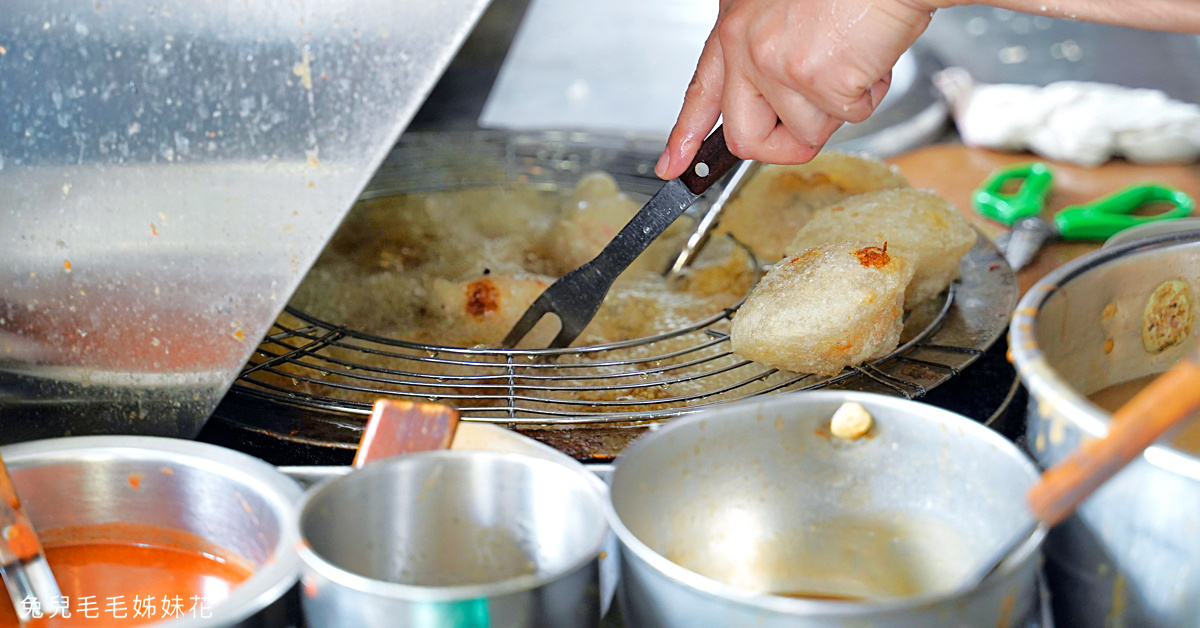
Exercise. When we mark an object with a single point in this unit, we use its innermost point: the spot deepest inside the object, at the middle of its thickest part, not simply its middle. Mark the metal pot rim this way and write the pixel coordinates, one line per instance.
(811, 607)
(371, 586)
(270, 581)
(1043, 381)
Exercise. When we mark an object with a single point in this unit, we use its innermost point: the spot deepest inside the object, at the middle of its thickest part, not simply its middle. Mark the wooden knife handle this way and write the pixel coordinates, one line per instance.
(1166, 402)
(712, 161)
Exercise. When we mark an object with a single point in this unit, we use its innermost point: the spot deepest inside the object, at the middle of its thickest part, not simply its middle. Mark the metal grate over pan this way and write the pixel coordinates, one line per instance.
(321, 365)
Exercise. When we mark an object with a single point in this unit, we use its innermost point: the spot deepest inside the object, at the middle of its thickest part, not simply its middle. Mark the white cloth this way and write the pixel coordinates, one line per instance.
(1077, 122)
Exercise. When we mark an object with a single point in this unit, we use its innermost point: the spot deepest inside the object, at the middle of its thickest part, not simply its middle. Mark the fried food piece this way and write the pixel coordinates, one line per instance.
(589, 220)
(833, 306)
(779, 200)
(1168, 316)
(481, 311)
(594, 214)
(918, 225)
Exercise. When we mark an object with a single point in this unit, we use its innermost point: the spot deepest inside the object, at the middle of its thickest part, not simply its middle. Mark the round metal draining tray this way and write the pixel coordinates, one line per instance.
(587, 401)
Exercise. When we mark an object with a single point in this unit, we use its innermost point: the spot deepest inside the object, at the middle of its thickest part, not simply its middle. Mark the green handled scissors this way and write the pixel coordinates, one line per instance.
(1097, 220)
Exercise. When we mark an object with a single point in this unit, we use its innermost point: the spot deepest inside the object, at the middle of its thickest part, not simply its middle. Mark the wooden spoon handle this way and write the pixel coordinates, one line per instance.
(402, 427)
(1166, 402)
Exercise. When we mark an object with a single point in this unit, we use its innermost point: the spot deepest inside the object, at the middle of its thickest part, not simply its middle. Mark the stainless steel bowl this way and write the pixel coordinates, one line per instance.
(454, 538)
(229, 499)
(716, 508)
(1129, 556)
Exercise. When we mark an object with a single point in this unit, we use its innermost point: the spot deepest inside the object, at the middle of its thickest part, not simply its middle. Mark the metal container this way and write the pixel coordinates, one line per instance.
(169, 170)
(1129, 556)
(758, 496)
(315, 382)
(236, 502)
(454, 538)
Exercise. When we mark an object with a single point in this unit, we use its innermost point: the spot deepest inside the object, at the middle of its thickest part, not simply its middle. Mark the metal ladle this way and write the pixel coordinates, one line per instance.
(31, 585)
(1169, 400)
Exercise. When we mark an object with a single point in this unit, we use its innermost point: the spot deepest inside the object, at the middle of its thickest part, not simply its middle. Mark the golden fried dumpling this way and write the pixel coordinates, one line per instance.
(594, 214)
(779, 200)
(919, 225)
(482, 311)
(833, 306)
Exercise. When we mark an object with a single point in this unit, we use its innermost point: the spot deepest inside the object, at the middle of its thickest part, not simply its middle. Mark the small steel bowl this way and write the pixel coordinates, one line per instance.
(461, 538)
(717, 508)
(231, 500)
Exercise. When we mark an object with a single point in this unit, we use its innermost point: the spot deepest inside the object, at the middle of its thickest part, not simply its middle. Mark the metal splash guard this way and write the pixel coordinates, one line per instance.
(169, 170)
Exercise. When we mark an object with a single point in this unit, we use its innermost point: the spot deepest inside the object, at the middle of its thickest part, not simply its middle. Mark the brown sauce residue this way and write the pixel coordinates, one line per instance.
(813, 595)
(873, 256)
(483, 297)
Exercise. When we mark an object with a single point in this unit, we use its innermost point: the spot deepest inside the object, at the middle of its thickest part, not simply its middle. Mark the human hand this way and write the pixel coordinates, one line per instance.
(785, 74)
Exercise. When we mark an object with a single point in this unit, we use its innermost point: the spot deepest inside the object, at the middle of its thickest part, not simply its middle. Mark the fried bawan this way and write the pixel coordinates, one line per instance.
(918, 225)
(1168, 317)
(478, 307)
(779, 200)
(833, 306)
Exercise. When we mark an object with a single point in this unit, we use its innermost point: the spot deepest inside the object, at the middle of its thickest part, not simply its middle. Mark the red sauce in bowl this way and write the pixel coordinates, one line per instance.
(129, 581)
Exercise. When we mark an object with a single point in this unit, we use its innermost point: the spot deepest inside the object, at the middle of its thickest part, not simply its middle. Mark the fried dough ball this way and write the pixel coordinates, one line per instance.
(779, 200)
(919, 225)
(595, 213)
(589, 220)
(482, 311)
(833, 306)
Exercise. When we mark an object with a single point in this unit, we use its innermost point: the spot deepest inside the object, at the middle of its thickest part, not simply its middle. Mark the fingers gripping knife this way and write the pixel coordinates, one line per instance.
(576, 296)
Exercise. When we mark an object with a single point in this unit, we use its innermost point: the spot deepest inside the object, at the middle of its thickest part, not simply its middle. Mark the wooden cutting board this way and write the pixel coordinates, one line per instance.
(955, 170)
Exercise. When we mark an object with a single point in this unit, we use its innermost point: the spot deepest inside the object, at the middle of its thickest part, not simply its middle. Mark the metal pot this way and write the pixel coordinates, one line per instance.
(229, 499)
(758, 496)
(1129, 555)
(470, 539)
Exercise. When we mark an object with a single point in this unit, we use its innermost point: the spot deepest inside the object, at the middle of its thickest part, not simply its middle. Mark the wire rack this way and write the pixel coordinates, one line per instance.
(322, 365)
(536, 386)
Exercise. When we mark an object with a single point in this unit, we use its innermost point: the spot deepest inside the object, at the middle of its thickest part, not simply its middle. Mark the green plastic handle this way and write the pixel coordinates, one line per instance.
(1104, 217)
(1029, 200)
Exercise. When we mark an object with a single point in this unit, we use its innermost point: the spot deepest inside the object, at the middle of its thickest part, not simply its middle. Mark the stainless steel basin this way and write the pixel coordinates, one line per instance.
(1129, 556)
(717, 509)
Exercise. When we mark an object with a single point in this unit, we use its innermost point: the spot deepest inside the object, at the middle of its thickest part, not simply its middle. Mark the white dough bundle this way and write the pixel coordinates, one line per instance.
(918, 225)
(830, 307)
(1072, 121)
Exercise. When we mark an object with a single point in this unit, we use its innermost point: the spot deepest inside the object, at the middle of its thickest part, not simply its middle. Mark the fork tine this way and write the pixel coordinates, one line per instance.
(536, 311)
(569, 332)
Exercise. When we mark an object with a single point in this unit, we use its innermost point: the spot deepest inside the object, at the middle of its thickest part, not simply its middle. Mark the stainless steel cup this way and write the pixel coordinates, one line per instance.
(469, 539)
(716, 509)
(227, 498)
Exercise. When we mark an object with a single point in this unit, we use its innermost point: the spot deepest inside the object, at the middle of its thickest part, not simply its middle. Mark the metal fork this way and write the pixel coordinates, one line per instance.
(576, 296)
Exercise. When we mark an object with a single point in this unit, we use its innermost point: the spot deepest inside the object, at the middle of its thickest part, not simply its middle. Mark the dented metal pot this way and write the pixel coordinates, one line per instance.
(1129, 555)
(716, 509)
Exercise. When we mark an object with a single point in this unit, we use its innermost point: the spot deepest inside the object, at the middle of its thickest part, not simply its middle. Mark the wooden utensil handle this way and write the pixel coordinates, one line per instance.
(711, 162)
(402, 427)
(1166, 402)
